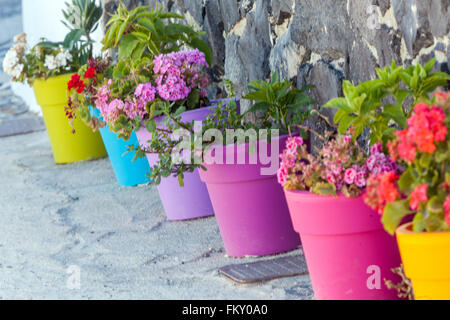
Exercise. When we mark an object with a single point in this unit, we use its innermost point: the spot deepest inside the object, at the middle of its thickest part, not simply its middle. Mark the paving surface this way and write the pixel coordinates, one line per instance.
(58, 222)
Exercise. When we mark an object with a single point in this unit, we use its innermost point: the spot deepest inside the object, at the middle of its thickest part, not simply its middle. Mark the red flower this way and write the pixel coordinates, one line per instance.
(426, 126)
(80, 87)
(381, 190)
(447, 209)
(90, 73)
(418, 196)
(73, 83)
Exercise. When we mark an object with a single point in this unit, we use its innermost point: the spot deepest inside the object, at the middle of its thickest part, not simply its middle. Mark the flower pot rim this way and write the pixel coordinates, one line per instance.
(310, 195)
(247, 143)
(54, 78)
(406, 229)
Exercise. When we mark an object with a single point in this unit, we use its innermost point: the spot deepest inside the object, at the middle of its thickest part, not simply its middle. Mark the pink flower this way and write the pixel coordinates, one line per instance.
(282, 174)
(360, 180)
(418, 196)
(447, 209)
(350, 175)
(376, 148)
(178, 73)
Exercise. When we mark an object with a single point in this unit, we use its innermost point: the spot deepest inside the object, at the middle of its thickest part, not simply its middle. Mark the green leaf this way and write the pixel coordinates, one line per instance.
(259, 106)
(345, 123)
(407, 181)
(396, 112)
(180, 181)
(127, 46)
(339, 103)
(325, 189)
(394, 214)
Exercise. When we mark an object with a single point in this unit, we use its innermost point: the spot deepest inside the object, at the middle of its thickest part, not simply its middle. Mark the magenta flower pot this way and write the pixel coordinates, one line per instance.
(182, 203)
(250, 208)
(347, 251)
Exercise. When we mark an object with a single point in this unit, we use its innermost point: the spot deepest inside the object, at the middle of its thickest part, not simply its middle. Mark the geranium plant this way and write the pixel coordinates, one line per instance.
(145, 89)
(341, 166)
(423, 188)
(48, 59)
(283, 107)
(83, 87)
(379, 104)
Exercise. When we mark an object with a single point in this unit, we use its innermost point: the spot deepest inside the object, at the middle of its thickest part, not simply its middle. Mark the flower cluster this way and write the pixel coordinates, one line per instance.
(42, 61)
(340, 166)
(381, 190)
(13, 63)
(426, 127)
(83, 88)
(424, 186)
(132, 107)
(178, 73)
(59, 59)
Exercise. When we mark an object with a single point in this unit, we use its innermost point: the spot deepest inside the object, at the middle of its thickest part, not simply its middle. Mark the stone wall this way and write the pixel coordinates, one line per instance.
(311, 41)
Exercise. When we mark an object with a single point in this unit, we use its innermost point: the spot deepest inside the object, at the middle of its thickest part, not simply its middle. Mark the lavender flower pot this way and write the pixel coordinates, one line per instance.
(250, 208)
(191, 201)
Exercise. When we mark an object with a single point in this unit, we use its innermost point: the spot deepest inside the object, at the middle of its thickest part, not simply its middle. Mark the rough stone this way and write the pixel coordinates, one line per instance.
(250, 39)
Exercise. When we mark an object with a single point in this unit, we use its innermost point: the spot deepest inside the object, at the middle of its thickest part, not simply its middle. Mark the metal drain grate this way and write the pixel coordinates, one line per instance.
(266, 270)
(21, 126)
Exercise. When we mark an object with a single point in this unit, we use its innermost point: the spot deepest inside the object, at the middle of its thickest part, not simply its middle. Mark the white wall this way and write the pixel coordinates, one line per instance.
(42, 18)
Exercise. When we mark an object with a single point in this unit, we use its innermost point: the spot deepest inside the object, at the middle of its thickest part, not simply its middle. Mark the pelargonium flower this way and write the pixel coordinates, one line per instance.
(418, 196)
(447, 209)
(381, 190)
(426, 127)
(146, 92)
(90, 73)
(178, 73)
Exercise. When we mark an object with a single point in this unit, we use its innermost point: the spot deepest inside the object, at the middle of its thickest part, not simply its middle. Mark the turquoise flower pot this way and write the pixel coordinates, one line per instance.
(128, 173)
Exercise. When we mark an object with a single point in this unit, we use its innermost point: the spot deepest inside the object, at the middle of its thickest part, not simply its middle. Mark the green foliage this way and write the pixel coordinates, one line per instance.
(278, 104)
(140, 32)
(284, 108)
(432, 170)
(367, 105)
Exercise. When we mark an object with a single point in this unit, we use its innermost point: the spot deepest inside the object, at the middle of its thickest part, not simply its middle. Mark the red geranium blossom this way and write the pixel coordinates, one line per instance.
(447, 209)
(80, 87)
(90, 73)
(73, 83)
(381, 190)
(418, 196)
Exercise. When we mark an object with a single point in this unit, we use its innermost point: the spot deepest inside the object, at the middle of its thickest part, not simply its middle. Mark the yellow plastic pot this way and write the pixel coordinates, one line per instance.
(68, 147)
(426, 259)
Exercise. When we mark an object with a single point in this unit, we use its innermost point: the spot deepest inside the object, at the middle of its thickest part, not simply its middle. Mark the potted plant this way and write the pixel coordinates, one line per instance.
(48, 67)
(422, 189)
(146, 96)
(130, 33)
(240, 172)
(83, 87)
(346, 249)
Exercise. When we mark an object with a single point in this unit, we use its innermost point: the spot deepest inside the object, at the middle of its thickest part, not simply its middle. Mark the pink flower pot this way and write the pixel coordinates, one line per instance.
(347, 251)
(188, 202)
(250, 208)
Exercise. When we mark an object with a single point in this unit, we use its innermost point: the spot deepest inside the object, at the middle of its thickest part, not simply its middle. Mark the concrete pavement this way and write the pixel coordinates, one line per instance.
(58, 221)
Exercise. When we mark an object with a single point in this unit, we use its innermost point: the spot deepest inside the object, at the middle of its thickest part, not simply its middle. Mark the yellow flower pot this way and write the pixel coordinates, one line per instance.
(51, 95)
(426, 259)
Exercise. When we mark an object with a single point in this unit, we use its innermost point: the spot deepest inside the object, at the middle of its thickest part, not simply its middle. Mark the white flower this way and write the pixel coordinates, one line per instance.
(50, 62)
(10, 61)
(62, 58)
(17, 71)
